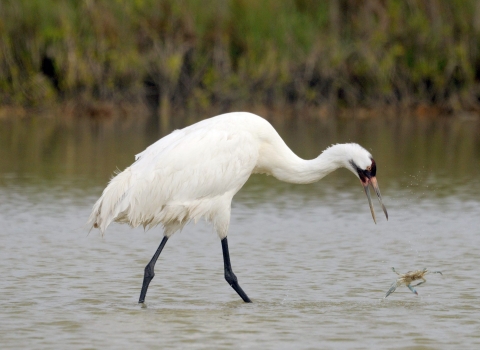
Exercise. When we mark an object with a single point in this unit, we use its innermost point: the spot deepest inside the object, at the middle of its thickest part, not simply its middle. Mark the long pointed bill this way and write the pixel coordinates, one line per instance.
(367, 192)
(373, 181)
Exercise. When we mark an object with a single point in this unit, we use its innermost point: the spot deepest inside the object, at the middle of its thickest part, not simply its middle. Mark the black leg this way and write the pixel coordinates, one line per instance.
(149, 274)
(229, 275)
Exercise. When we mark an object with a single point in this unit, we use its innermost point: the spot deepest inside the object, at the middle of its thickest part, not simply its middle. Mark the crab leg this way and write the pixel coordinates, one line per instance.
(424, 280)
(393, 269)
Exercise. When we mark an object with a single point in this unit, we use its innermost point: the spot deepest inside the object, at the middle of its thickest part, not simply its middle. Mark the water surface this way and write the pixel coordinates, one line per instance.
(309, 256)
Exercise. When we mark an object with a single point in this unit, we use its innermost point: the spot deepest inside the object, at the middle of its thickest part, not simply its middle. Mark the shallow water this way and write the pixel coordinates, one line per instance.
(309, 256)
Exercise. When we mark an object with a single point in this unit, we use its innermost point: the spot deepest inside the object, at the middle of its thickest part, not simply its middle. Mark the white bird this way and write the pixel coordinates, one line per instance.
(195, 172)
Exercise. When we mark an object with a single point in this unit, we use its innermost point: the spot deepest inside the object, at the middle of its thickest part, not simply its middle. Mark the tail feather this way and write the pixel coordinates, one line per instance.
(113, 203)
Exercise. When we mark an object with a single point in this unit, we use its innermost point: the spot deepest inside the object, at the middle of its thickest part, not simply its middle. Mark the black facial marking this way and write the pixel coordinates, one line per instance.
(373, 170)
(365, 174)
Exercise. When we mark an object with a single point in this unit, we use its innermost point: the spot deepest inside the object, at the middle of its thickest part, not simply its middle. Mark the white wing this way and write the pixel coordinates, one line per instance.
(190, 173)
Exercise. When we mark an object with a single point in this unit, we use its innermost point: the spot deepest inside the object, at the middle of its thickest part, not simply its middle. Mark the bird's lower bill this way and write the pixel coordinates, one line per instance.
(373, 181)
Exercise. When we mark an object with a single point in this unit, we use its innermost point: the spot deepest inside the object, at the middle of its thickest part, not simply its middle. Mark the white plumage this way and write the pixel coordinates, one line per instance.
(195, 172)
(188, 174)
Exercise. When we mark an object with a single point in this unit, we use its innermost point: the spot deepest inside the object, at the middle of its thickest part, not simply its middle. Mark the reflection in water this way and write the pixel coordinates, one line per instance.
(445, 152)
(309, 256)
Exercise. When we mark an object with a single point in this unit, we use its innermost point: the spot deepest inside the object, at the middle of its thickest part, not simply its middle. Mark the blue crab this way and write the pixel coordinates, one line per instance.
(408, 278)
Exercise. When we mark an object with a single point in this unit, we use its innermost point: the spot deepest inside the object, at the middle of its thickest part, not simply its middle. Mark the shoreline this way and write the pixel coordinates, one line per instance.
(110, 111)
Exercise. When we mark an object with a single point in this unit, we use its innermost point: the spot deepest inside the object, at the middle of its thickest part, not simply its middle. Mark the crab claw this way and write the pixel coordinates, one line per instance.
(392, 289)
(412, 289)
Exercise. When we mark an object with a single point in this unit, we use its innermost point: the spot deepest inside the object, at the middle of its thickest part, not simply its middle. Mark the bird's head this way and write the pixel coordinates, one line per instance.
(362, 164)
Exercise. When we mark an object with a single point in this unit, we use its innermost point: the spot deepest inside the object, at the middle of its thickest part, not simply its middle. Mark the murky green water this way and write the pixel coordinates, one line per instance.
(309, 256)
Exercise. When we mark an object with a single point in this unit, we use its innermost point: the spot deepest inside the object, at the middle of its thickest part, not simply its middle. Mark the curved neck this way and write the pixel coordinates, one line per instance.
(289, 167)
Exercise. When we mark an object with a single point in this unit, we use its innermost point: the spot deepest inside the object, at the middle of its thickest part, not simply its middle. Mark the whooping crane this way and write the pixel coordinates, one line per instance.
(195, 172)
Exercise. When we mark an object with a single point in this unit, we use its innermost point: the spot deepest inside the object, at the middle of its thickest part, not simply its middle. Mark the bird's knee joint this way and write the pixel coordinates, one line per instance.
(149, 272)
(230, 278)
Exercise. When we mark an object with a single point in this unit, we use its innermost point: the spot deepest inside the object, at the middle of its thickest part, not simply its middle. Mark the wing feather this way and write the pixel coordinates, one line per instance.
(190, 173)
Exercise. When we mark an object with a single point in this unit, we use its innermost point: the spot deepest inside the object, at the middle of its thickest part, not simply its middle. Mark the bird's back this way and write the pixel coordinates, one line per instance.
(187, 174)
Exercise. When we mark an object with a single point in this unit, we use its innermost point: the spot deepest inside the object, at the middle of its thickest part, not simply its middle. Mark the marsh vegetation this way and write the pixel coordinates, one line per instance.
(196, 54)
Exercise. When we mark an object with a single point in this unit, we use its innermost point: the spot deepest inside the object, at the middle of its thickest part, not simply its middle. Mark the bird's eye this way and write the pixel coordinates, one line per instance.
(369, 168)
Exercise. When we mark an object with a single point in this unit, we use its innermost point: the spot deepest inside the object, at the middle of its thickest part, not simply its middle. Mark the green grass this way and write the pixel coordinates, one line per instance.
(197, 53)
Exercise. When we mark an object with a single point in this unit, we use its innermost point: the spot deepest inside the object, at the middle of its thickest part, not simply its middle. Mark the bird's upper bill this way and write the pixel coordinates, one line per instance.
(367, 177)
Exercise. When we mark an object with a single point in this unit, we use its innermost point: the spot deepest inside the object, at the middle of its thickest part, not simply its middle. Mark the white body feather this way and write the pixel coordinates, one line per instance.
(195, 172)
